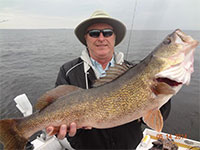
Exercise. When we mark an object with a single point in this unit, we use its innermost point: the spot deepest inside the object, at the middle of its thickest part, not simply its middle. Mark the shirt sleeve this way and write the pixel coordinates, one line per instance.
(61, 78)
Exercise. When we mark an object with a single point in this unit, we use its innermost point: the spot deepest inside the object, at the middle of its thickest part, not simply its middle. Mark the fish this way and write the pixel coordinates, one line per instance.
(126, 93)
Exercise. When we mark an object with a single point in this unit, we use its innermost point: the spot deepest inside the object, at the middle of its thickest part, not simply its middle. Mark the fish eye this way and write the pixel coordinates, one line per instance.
(167, 41)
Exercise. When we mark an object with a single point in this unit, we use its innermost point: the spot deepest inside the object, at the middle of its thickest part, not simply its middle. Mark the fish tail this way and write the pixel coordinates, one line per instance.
(10, 136)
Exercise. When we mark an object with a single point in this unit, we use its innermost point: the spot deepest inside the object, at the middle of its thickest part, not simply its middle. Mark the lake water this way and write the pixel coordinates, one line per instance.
(30, 61)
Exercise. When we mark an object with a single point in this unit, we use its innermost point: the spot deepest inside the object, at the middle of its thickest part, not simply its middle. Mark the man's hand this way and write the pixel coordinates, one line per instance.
(62, 130)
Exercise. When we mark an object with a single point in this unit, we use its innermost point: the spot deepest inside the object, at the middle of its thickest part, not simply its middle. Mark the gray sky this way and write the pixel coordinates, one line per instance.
(150, 14)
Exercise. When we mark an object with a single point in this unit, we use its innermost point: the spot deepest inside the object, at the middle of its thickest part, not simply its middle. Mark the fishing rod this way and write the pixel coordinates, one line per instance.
(132, 24)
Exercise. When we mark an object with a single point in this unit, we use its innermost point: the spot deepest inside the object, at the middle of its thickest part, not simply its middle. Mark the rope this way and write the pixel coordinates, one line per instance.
(133, 19)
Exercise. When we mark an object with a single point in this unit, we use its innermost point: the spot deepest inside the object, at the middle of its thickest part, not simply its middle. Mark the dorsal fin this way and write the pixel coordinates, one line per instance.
(52, 95)
(112, 73)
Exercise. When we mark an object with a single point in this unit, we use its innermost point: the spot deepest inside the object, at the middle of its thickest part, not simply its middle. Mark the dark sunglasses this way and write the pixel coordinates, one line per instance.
(95, 32)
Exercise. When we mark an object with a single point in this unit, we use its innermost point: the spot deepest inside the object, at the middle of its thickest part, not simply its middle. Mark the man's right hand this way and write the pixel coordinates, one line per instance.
(62, 130)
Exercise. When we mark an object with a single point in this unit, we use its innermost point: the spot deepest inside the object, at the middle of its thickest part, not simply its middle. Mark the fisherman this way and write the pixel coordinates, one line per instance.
(99, 34)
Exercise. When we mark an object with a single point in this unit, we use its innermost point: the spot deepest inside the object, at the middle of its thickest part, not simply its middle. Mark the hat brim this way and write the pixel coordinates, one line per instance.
(118, 27)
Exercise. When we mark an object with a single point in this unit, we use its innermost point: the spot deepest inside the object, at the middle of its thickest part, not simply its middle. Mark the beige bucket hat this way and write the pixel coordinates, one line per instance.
(100, 16)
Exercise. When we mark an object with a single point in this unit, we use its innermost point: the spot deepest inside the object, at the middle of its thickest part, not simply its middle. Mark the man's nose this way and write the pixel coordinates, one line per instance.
(101, 37)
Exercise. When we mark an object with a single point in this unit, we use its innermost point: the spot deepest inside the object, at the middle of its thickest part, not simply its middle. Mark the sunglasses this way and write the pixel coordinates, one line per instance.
(95, 32)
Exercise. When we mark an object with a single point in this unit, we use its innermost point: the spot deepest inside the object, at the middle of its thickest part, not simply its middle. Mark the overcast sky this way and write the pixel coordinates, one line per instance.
(149, 14)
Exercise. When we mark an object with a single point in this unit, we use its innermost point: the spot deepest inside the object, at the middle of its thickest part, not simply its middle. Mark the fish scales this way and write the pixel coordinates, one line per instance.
(121, 101)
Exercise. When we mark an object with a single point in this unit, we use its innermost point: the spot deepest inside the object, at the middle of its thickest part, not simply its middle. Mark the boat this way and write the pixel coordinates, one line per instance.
(180, 140)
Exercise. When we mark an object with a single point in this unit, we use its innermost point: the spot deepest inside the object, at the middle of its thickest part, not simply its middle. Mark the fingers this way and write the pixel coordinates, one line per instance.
(50, 130)
(62, 132)
(72, 129)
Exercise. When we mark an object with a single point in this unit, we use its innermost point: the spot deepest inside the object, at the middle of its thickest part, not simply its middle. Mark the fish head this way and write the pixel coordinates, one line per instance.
(176, 53)
(173, 65)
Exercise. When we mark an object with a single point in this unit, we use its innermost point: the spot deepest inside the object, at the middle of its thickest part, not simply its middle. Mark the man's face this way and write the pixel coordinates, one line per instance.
(100, 47)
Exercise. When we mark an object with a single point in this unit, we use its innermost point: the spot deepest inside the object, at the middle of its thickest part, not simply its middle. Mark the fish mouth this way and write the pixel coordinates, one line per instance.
(183, 37)
(179, 73)
(187, 41)
(168, 81)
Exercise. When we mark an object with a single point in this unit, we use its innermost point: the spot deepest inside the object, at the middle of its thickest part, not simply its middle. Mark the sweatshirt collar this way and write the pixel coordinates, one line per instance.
(118, 58)
(98, 66)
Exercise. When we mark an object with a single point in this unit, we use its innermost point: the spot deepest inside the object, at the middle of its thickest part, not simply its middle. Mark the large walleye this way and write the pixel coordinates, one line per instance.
(127, 93)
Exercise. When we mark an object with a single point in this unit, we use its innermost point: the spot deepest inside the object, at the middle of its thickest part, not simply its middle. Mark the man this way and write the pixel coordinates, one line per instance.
(100, 34)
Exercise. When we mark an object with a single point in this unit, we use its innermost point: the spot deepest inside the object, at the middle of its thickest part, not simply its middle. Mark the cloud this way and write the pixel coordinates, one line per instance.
(28, 21)
(150, 14)
(168, 14)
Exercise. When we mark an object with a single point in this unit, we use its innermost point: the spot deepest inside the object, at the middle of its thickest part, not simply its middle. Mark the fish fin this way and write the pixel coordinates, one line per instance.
(154, 120)
(9, 135)
(52, 95)
(112, 73)
(162, 88)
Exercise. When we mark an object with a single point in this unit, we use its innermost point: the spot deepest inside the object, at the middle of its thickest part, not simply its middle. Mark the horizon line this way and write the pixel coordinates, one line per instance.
(74, 28)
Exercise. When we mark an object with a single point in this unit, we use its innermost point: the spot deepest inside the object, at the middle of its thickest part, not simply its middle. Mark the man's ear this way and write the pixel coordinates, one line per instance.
(85, 36)
(115, 39)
